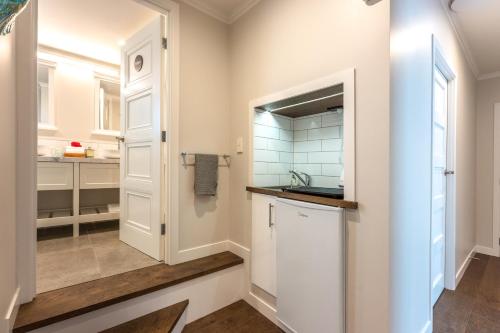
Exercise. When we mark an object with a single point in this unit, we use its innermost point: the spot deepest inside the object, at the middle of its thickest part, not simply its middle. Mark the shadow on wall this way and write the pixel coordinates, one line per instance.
(204, 204)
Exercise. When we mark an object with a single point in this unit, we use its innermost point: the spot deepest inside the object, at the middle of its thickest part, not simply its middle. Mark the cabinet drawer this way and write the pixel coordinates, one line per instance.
(93, 175)
(55, 176)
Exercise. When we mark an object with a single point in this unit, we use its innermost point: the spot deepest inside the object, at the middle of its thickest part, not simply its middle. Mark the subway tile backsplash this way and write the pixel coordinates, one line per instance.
(312, 144)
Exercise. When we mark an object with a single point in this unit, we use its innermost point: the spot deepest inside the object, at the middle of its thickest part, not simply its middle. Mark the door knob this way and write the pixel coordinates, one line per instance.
(449, 172)
(120, 138)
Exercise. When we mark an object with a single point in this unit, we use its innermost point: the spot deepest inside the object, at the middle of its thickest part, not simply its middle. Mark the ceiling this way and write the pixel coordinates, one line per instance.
(478, 24)
(91, 28)
(226, 11)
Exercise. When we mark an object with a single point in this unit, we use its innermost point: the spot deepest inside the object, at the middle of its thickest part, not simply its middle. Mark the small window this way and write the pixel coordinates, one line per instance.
(107, 106)
(46, 97)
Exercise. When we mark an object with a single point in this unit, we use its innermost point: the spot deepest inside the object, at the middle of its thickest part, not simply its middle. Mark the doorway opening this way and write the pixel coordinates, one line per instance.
(101, 103)
(442, 228)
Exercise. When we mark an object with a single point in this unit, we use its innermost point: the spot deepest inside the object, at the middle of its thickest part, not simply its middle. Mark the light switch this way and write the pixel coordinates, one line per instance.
(239, 145)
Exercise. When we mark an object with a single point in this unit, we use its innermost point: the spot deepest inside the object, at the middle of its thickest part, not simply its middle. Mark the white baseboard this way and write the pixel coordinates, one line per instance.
(239, 250)
(213, 248)
(486, 250)
(206, 294)
(11, 314)
(260, 305)
(427, 328)
(201, 251)
(463, 267)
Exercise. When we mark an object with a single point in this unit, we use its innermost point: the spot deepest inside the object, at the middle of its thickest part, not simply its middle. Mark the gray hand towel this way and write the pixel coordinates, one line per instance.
(205, 174)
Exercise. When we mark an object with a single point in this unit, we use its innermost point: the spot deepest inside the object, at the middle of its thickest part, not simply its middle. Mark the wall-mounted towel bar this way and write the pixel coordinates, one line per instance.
(226, 158)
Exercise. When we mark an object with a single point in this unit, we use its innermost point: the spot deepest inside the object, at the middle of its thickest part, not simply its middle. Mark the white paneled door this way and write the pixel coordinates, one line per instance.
(439, 162)
(140, 167)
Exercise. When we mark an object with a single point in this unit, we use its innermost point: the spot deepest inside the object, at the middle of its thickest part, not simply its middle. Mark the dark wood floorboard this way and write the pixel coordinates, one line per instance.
(161, 321)
(238, 317)
(474, 307)
(61, 304)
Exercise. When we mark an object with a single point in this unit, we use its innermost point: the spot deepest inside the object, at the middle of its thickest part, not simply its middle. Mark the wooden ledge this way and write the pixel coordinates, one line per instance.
(61, 304)
(304, 197)
(163, 320)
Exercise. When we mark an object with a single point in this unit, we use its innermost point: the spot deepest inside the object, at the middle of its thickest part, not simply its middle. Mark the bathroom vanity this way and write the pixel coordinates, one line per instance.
(77, 190)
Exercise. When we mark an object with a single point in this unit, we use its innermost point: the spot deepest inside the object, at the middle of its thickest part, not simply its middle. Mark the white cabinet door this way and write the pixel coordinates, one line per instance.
(310, 267)
(263, 265)
(140, 163)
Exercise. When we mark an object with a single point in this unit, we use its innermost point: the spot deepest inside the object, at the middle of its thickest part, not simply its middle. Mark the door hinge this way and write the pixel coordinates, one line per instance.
(163, 136)
(163, 229)
(164, 43)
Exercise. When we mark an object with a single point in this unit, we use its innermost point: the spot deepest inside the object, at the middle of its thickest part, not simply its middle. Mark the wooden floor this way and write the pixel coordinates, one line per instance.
(161, 321)
(238, 317)
(54, 306)
(475, 306)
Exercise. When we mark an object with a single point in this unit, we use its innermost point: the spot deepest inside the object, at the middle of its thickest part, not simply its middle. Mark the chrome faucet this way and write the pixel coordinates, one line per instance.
(306, 182)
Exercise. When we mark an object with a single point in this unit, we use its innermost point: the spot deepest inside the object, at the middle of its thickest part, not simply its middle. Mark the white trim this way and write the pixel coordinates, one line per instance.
(427, 328)
(489, 76)
(463, 267)
(11, 314)
(496, 181)
(489, 251)
(239, 250)
(266, 309)
(221, 15)
(345, 77)
(214, 248)
(461, 38)
(201, 251)
(26, 151)
(242, 10)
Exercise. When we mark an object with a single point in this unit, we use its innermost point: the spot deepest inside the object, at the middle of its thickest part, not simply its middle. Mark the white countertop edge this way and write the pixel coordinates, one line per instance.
(78, 160)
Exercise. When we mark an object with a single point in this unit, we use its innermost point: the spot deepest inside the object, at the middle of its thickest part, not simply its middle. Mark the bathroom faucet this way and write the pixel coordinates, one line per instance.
(306, 182)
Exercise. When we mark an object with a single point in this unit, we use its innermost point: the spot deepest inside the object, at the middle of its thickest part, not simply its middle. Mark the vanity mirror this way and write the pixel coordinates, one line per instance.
(107, 106)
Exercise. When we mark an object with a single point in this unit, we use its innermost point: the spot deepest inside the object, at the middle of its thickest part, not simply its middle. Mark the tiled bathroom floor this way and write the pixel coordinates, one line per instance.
(64, 261)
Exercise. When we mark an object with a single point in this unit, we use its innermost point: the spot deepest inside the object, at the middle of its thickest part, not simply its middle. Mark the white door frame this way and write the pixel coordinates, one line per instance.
(170, 122)
(496, 181)
(439, 61)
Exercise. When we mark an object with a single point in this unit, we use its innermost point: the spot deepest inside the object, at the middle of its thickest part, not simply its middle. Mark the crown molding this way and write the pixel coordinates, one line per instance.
(461, 38)
(242, 10)
(238, 12)
(488, 76)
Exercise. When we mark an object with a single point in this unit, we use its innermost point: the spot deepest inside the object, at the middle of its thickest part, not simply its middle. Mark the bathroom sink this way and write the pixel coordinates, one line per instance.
(329, 192)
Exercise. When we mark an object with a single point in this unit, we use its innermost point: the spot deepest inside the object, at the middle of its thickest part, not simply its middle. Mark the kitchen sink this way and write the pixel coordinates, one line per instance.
(329, 192)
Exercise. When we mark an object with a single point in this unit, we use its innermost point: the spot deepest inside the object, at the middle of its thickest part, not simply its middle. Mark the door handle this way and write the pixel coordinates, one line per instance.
(449, 172)
(120, 138)
(271, 215)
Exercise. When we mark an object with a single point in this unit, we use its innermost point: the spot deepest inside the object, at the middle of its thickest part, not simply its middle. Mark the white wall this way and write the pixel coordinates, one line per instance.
(204, 124)
(488, 93)
(8, 277)
(283, 43)
(74, 103)
(412, 26)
